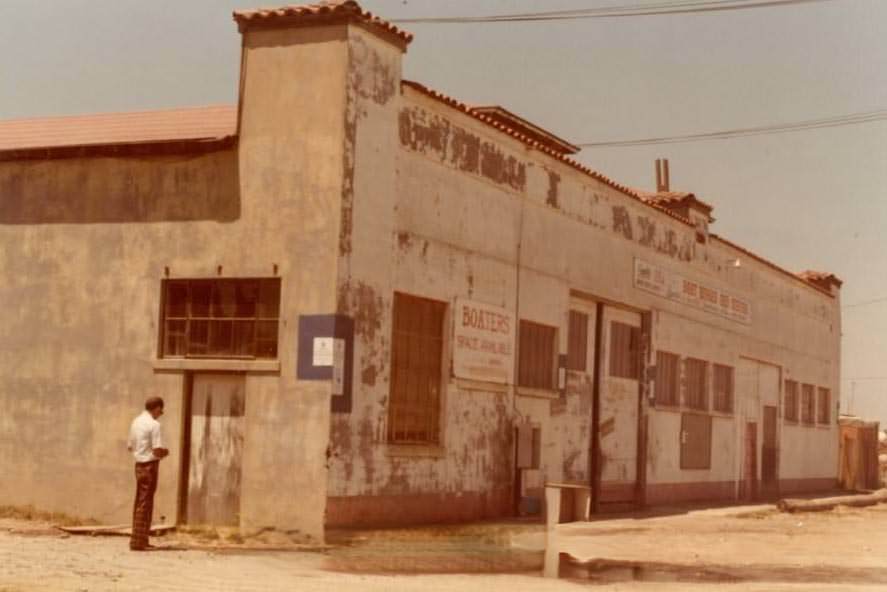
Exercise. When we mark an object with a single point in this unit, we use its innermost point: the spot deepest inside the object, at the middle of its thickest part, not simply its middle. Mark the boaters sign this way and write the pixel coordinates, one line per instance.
(696, 294)
(483, 343)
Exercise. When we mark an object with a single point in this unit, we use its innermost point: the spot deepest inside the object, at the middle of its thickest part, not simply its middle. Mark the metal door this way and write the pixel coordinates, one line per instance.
(215, 436)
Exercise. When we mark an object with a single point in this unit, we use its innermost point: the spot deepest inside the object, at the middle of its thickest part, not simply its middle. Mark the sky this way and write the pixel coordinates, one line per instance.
(806, 200)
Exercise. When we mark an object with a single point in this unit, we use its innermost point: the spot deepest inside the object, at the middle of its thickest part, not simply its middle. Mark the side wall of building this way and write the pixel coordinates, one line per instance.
(481, 216)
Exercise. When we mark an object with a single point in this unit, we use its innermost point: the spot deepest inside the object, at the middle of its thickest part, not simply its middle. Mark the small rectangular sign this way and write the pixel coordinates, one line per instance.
(483, 342)
(322, 353)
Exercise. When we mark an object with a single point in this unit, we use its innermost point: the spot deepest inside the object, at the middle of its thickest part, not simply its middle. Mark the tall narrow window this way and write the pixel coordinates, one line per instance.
(825, 406)
(723, 388)
(668, 379)
(577, 346)
(791, 401)
(697, 383)
(416, 357)
(625, 351)
(808, 404)
(220, 318)
(536, 361)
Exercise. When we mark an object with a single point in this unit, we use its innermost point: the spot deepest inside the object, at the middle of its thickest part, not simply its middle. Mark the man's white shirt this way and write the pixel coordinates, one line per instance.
(144, 437)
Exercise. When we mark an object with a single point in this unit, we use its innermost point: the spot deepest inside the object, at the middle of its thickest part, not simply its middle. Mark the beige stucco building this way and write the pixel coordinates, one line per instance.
(368, 303)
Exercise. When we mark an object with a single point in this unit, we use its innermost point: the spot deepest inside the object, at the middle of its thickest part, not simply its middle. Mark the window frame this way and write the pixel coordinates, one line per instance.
(577, 340)
(705, 396)
(808, 404)
(731, 390)
(823, 409)
(267, 298)
(675, 383)
(423, 413)
(537, 370)
(628, 363)
(794, 417)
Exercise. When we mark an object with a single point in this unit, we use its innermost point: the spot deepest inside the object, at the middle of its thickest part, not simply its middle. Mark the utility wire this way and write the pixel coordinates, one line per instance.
(866, 302)
(652, 9)
(852, 119)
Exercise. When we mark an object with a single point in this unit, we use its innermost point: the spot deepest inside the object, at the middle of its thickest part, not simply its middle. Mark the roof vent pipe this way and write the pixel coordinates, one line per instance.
(662, 181)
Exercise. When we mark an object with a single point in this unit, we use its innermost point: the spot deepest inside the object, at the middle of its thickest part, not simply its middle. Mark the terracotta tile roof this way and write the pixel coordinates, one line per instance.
(193, 123)
(518, 123)
(641, 196)
(318, 13)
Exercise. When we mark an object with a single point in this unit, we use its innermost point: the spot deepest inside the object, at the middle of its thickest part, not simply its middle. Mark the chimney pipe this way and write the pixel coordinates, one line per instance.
(666, 185)
(662, 182)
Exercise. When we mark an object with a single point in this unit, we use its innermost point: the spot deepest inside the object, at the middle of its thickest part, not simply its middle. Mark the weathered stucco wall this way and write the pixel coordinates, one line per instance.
(85, 245)
(469, 202)
(81, 288)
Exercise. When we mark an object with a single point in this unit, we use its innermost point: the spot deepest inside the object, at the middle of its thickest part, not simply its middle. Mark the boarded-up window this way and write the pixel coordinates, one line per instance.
(695, 372)
(723, 388)
(625, 351)
(536, 356)
(416, 353)
(824, 404)
(577, 346)
(220, 318)
(808, 404)
(791, 401)
(695, 441)
(668, 379)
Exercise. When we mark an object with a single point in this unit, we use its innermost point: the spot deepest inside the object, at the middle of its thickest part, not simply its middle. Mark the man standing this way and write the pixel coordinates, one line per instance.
(147, 448)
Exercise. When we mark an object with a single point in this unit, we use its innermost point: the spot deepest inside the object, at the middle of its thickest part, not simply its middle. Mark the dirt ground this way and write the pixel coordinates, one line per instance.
(743, 549)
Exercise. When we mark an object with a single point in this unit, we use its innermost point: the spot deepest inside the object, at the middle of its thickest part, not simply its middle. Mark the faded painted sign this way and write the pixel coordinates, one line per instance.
(670, 285)
(483, 342)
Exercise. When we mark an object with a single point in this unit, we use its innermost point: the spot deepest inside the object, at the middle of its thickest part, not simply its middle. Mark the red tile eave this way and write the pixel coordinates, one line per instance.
(318, 14)
(630, 192)
(121, 149)
(552, 138)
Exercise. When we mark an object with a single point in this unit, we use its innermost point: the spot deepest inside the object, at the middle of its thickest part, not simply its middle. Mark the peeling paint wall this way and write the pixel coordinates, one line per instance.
(468, 203)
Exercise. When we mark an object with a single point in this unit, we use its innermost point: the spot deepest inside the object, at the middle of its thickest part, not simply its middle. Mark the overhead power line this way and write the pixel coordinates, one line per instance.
(840, 121)
(866, 302)
(650, 9)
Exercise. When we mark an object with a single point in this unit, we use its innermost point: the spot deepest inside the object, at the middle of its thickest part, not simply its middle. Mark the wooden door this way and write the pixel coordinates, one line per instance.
(216, 429)
(769, 454)
(621, 370)
(750, 464)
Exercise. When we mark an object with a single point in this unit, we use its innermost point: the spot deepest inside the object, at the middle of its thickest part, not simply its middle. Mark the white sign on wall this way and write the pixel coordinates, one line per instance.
(483, 342)
(670, 285)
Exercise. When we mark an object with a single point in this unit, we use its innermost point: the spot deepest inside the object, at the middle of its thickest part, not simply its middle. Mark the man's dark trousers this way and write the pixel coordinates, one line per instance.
(146, 485)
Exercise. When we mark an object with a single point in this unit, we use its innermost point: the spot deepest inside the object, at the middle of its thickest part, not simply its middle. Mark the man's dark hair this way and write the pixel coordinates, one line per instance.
(153, 403)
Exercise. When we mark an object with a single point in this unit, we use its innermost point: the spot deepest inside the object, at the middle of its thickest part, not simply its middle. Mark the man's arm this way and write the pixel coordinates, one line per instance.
(157, 443)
